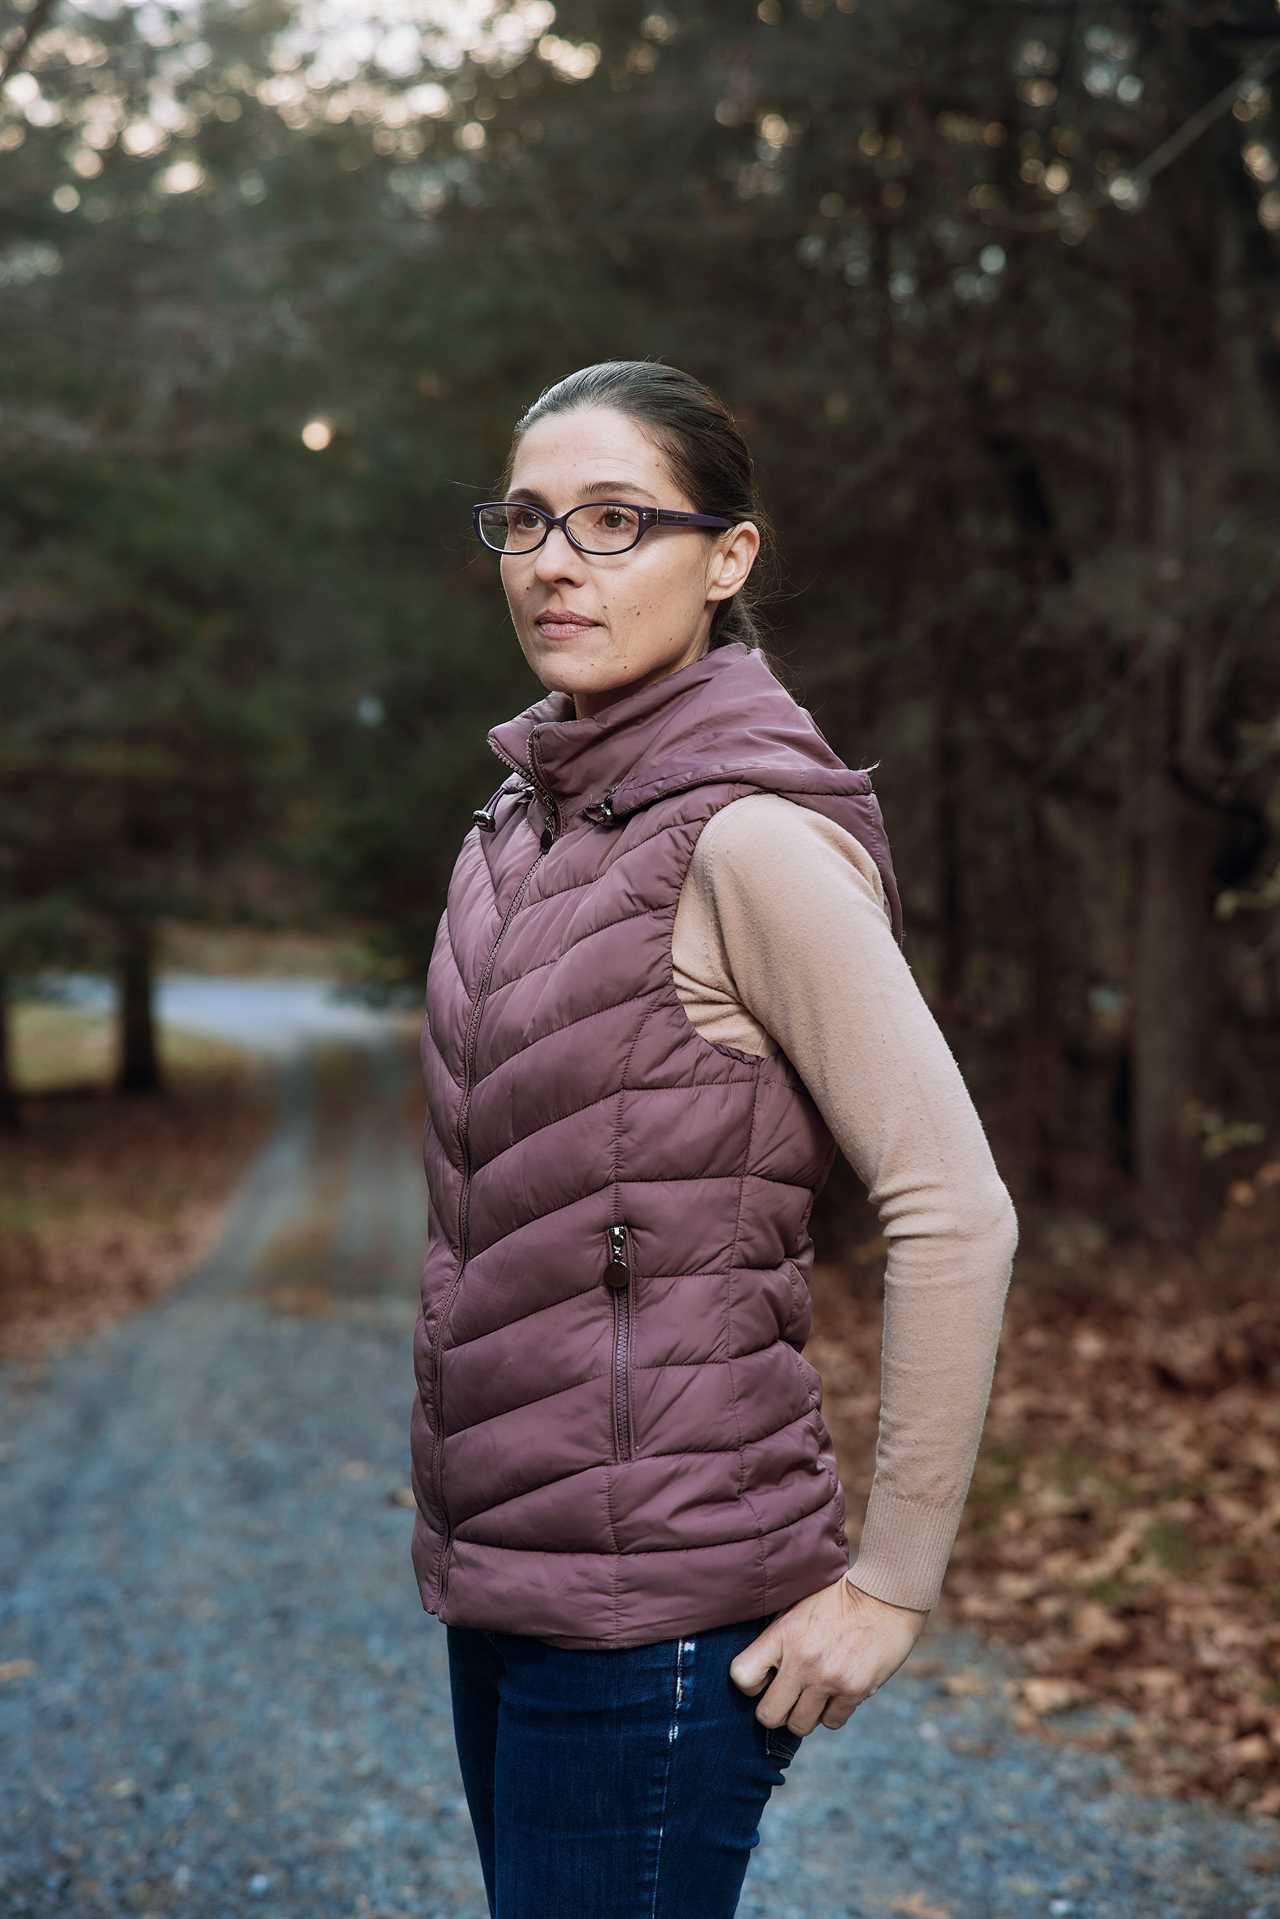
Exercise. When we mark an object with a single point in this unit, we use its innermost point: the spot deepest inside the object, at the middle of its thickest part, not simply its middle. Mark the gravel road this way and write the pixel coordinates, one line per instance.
(219, 1694)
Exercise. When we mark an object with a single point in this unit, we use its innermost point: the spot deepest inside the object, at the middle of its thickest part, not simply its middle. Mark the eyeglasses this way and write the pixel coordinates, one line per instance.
(603, 526)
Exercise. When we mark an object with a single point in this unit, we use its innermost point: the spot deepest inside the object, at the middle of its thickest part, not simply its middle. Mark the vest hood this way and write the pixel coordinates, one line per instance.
(723, 718)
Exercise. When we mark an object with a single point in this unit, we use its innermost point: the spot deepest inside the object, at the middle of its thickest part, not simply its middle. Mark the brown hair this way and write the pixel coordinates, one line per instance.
(708, 458)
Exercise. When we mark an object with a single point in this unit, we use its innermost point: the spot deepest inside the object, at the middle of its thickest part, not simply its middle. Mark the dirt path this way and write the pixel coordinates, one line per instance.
(219, 1694)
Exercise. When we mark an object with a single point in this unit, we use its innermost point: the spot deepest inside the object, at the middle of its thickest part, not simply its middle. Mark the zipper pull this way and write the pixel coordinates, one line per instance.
(617, 1272)
(484, 815)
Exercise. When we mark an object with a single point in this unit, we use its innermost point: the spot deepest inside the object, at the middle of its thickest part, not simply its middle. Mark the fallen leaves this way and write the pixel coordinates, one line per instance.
(1123, 1525)
(1096, 1626)
(1044, 1696)
(105, 1205)
(918, 1905)
(964, 1684)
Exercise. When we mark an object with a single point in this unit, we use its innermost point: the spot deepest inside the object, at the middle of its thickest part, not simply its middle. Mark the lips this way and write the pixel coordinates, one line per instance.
(562, 619)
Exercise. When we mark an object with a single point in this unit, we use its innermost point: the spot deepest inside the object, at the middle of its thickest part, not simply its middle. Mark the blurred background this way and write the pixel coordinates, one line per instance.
(994, 291)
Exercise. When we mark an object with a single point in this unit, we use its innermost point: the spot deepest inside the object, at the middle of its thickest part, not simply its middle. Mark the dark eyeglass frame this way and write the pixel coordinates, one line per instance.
(647, 516)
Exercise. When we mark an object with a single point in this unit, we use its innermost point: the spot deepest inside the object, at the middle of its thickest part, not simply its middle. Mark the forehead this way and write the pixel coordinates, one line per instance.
(567, 450)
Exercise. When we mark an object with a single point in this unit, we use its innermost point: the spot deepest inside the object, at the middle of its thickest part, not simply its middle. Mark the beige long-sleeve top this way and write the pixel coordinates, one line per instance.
(782, 939)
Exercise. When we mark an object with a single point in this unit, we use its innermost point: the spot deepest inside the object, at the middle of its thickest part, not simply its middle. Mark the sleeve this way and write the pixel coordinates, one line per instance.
(806, 938)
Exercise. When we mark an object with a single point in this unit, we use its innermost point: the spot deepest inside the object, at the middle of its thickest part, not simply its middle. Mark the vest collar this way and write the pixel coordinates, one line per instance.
(725, 716)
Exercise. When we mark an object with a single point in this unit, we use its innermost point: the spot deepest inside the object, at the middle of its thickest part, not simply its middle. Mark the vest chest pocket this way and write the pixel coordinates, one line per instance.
(617, 1274)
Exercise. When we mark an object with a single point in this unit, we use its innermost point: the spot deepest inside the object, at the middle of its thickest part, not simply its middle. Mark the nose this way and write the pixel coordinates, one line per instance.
(557, 556)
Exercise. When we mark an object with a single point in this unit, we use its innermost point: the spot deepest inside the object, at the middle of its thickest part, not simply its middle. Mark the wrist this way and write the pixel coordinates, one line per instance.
(919, 1612)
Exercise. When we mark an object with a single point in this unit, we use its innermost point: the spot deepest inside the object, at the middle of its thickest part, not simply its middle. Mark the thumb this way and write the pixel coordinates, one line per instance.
(753, 1668)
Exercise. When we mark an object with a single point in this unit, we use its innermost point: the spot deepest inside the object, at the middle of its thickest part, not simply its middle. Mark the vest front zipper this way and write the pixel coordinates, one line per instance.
(548, 838)
(617, 1275)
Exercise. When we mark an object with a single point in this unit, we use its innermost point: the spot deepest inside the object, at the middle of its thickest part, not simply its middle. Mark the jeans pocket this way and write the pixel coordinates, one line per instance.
(782, 1744)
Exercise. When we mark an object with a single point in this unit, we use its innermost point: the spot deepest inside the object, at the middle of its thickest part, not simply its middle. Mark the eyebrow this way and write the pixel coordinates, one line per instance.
(613, 489)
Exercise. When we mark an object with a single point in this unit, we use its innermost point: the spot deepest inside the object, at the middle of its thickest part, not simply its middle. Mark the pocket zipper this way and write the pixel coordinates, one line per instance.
(617, 1275)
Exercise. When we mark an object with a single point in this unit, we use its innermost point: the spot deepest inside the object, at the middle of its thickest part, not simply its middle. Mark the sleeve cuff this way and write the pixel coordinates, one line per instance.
(903, 1554)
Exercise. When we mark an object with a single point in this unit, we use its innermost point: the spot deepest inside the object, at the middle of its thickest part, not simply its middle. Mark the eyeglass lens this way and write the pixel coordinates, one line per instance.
(601, 527)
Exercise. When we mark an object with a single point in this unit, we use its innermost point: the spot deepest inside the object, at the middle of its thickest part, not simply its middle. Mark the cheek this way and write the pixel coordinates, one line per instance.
(651, 592)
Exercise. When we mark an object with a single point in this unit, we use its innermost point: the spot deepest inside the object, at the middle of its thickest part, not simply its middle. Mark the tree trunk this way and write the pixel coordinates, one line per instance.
(139, 1068)
(10, 1110)
(1175, 996)
(947, 785)
(1177, 986)
(1041, 1042)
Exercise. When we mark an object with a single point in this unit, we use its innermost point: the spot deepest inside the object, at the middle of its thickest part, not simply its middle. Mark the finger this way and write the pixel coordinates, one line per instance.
(755, 1666)
(808, 1712)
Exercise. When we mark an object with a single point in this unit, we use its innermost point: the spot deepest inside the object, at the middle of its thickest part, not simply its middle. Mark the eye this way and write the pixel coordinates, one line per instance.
(611, 518)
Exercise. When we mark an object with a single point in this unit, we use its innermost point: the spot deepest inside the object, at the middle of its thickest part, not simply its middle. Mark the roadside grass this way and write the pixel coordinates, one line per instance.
(57, 1049)
(259, 952)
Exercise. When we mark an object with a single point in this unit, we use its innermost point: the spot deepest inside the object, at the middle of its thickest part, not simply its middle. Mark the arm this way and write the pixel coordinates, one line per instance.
(795, 906)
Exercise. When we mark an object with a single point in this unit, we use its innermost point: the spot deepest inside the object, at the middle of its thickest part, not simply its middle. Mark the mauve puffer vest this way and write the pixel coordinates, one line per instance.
(615, 1438)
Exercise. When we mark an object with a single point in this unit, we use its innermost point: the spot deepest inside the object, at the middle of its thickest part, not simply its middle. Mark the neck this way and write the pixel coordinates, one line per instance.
(586, 706)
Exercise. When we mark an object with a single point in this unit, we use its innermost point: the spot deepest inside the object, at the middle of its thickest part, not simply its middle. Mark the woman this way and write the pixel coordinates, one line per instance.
(667, 984)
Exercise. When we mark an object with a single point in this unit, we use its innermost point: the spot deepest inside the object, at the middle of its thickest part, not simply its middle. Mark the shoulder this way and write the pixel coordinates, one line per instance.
(764, 839)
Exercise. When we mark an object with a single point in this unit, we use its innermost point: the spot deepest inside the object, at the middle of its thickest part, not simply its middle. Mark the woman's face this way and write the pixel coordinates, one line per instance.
(650, 608)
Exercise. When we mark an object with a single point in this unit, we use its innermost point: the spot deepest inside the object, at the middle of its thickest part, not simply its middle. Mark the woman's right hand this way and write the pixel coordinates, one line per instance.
(826, 1654)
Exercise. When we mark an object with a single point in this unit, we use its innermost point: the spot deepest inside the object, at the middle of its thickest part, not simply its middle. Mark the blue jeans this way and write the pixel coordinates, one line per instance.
(622, 1784)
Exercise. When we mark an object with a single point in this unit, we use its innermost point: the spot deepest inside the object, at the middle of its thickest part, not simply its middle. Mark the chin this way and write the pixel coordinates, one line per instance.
(572, 666)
